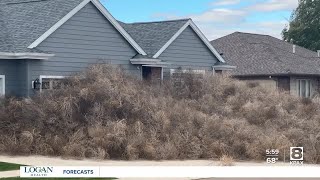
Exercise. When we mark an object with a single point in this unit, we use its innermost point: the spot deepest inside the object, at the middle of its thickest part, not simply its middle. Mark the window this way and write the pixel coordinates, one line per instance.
(304, 88)
(180, 77)
(51, 82)
(2, 85)
(200, 72)
(178, 72)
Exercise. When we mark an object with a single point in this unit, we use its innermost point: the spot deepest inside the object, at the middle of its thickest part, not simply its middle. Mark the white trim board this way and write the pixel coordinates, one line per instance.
(3, 77)
(115, 23)
(104, 11)
(58, 24)
(156, 62)
(195, 71)
(224, 67)
(198, 32)
(40, 56)
(51, 77)
(174, 37)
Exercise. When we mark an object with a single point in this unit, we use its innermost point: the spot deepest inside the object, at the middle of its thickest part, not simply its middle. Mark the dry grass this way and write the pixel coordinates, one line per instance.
(226, 160)
(106, 114)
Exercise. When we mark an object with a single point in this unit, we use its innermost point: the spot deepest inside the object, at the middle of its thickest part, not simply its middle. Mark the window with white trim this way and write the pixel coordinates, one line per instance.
(304, 88)
(2, 85)
(200, 72)
(179, 76)
(174, 72)
(51, 82)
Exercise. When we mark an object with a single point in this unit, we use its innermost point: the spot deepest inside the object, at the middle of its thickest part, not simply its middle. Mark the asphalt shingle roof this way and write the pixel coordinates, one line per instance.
(152, 36)
(5, 40)
(255, 54)
(23, 21)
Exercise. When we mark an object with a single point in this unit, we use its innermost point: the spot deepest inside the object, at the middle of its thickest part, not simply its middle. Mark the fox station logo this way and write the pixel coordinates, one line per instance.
(296, 155)
(38, 171)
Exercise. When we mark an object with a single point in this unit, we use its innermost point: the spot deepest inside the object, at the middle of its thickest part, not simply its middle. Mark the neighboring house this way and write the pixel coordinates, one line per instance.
(42, 41)
(273, 63)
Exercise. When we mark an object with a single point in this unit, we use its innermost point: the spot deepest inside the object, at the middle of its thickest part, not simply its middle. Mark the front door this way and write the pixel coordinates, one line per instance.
(152, 74)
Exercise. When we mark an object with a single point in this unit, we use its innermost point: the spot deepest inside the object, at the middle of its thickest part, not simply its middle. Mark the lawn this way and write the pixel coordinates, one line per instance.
(9, 166)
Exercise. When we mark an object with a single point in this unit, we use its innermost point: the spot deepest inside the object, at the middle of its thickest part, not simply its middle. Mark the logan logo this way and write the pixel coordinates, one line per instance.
(38, 171)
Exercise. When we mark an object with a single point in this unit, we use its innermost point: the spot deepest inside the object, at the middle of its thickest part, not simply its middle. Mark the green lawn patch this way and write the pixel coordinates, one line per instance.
(9, 166)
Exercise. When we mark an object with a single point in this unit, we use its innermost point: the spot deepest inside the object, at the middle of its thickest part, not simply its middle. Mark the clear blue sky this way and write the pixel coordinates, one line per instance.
(215, 17)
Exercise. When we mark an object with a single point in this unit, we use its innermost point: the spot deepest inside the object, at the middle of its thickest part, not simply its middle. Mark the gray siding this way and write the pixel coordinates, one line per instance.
(15, 75)
(294, 85)
(85, 39)
(287, 83)
(188, 52)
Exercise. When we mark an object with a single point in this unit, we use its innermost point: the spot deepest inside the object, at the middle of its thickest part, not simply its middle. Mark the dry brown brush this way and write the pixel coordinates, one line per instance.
(105, 114)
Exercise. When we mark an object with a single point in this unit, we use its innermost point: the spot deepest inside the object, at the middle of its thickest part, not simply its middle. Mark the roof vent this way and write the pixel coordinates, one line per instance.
(294, 49)
(318, 53)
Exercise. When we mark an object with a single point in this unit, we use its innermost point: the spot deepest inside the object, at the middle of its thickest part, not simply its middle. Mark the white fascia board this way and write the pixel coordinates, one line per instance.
(58, 24)
(206, 41)
(103, 10)
(156, 65)
(51, 77)
(149, 62)
(145, 60)
(199, 33)
(174, 37)
(115, 23)
(224, 67)
(39, 56)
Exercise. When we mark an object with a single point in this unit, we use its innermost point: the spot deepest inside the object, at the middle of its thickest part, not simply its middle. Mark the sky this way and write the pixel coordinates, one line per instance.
(216, 18)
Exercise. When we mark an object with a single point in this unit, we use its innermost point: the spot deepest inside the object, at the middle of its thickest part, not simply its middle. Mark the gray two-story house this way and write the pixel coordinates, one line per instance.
(46, 40)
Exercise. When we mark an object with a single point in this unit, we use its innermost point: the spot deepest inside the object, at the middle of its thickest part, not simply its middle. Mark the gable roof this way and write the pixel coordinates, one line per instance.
(30, 22)
(156, 37)
(25, 20)
(103, 10)
(195, 28)
(151, 36)
(26, 23)
(255, 54)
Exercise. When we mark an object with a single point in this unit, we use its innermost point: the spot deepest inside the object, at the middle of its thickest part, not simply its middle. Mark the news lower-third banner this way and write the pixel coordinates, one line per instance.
(170, 172)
